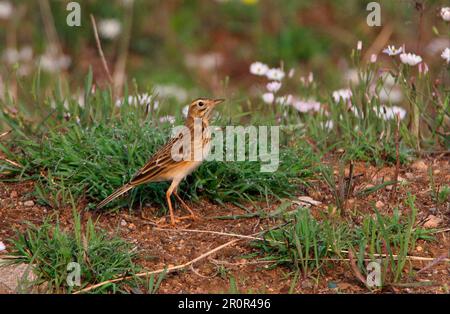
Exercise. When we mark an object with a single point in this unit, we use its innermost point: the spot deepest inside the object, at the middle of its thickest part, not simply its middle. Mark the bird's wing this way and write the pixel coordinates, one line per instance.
(159, 163)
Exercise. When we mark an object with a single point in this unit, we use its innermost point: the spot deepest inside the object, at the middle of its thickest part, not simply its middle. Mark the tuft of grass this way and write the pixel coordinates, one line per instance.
(391, 235)
(89, 151)
(305, 243)
(50, 249)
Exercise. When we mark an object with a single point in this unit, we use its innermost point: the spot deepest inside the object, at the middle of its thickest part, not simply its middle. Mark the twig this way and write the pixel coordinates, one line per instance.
(355, 267)
(5, 133)
(100, 50)
(11, 162)
(212, 232)
(120, 66)
(408, 257)
(167, 270)
(436, 261)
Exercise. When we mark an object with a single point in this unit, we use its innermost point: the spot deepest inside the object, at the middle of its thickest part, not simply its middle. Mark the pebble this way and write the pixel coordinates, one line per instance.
(379, 204)
(123, 223)
(332, 285)
(420, 165)
(28, 203)
(432, 221)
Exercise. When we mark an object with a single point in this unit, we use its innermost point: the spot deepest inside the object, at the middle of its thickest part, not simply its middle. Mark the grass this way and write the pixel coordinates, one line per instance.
(50, 249)
(306, 243)
(88, 151)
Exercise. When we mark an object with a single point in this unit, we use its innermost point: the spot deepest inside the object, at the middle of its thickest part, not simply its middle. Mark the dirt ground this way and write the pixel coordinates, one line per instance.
(160, 248)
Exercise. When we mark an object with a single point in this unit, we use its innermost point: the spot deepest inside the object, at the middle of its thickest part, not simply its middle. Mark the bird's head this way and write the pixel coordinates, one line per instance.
(202, 108)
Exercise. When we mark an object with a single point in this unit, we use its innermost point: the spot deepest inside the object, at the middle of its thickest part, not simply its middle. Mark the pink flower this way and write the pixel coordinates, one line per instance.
(410, 59)
(268, 98)
(273, 86)
(258, 68)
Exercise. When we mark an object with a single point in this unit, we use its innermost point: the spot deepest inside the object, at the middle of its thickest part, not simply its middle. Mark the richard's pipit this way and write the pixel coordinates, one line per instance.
(166, 164)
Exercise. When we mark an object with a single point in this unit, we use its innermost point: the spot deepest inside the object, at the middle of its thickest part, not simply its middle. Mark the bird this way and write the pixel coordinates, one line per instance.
(167, 165)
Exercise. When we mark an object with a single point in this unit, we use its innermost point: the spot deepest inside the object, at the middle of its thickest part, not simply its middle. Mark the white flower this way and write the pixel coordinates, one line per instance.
(373, 58)
(258, 68)
(127, 3)
(392, 51)
(109, 28)
(268, 98)
(423, 68)
(208, 61)
(291, 73)
(359, 45)
(391, 94)
(445, 14)
(284, 100)
(306, 106)
(171, 91)
(2, 246)
(185, 111)
(446, 55)
(389, 113)
(328, 124)
(342, 94)
(275, 74)
(6, 9)
(11, 55)
(169, 119)
(351, 76)
(80, 99)
(356, 112)
(141, 100)
(51, 61)
(410, 59)
(273, 86)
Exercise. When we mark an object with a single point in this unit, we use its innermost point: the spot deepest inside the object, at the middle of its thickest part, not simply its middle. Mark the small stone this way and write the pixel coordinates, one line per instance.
(332, 285)
(14, 194)
(419, 248)
(28, 203)
(306, 284)
(432, 221)
(123, 223)
(308, 201)
(420, 165)
(379, 204)
(436, 171)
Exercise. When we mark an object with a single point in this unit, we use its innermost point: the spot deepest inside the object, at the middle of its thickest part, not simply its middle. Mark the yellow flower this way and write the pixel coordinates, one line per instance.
(249, 2)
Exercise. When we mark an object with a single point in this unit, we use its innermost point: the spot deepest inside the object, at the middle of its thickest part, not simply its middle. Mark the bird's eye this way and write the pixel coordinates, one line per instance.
(201, 103)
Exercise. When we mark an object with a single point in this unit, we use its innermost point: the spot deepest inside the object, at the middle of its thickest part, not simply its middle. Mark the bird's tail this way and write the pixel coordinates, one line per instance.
(115, 195)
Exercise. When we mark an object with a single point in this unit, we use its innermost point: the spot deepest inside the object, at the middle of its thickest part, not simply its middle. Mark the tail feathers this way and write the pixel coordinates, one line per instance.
(115, 195)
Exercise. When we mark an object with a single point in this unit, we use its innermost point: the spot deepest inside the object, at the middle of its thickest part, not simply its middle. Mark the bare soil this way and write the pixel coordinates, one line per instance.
(160, 248)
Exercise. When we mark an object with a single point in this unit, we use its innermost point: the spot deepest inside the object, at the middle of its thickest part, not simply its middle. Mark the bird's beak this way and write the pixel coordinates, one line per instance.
(218, 101)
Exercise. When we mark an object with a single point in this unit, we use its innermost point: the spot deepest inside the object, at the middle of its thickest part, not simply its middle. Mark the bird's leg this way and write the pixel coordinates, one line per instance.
(193, 215)
(169, 192)
(169, 202)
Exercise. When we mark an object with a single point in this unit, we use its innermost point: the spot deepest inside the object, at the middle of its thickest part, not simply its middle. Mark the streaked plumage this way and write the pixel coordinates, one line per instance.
(163, 167)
